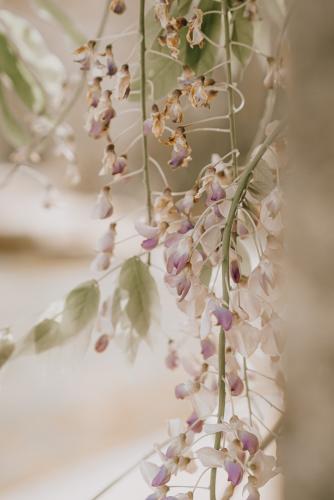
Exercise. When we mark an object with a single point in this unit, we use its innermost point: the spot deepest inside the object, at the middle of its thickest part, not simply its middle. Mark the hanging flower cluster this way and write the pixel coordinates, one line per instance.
(106, 81)
(220, 242)
(211, 233)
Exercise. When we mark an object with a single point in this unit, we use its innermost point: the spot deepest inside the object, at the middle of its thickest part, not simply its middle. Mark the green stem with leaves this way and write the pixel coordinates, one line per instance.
(143, 93)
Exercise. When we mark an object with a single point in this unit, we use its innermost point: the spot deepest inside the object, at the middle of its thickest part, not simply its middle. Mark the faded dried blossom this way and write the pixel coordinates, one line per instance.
(85, 55)
(117, 6)
(106, 62)
(181, 154)
(194, 34)
(161, 11)
(122, 86)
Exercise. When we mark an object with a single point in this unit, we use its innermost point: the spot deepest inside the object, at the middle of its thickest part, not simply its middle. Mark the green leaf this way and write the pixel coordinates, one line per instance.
(7, 346)
(163, 72)
(243, 32)
(136, 279)
(33, 50)
(53, 10)
(46, 335)
(201, 60)
(23, 82)
(81, 307)
(205, 275)
(12, 131)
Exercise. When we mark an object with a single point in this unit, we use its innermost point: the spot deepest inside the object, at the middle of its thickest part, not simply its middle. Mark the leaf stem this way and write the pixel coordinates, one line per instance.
(144, 115)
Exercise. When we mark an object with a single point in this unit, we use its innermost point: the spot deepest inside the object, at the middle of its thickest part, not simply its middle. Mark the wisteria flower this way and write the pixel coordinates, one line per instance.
(152, 234)
(222, 315)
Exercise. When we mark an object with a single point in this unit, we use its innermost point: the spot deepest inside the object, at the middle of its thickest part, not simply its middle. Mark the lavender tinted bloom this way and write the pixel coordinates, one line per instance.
(234, 472)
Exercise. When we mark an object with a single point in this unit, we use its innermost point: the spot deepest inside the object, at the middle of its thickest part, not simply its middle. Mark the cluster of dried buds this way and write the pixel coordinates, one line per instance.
(172, 26)
(200, 92)
(105, 81)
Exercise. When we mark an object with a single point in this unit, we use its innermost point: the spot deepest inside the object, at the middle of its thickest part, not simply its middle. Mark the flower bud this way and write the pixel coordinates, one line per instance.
(118, 6)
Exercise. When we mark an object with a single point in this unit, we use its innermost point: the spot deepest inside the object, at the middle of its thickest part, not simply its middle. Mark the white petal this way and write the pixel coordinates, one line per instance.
(146, 230)
(148, 471)
(244, 338)
(210, 457)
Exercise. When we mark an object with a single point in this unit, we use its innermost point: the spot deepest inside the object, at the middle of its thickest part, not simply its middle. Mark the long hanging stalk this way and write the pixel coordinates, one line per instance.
(144, 113)
(225, 263)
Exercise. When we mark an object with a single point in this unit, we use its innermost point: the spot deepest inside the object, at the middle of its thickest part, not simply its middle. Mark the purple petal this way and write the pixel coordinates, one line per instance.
(181, 262)
(235, 271)
(194, 423)
(249, 441)
(208, 348)
(234, 471)
(235, 383)
(150, 243)
(224, 317)
(162, 477)
(119, 166)
(185, 227)
(217, 193)
(183, 288)
(178, 158)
